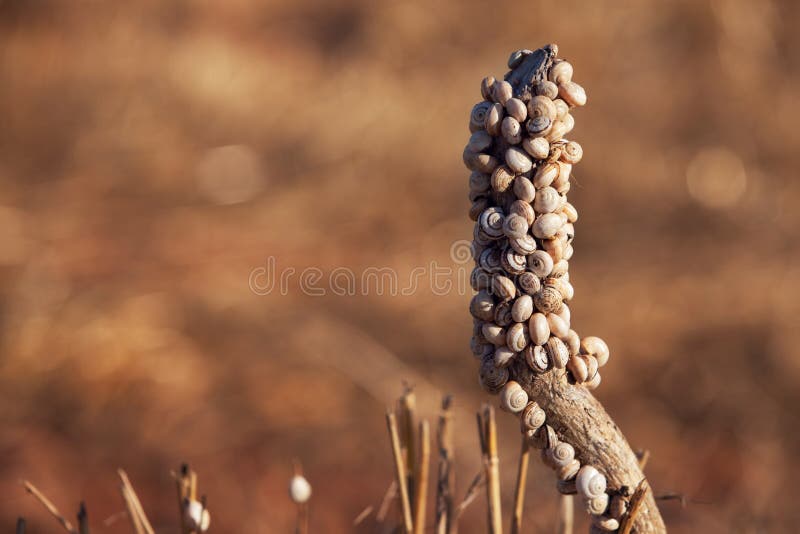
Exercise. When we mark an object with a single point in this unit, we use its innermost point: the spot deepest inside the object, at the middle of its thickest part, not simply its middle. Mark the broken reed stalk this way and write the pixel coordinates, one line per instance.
(49, 506)
(636, 504)
(421, 477)
(473, 491)
(400, 473)
(488, 440)
(135, 510)
(519, 491)
(566, 514)
(20, 526)
(406, 409)
(445, 485)
(83, 519)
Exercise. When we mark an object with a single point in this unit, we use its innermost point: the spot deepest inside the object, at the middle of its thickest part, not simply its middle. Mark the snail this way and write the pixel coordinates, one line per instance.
(492, 377)
(503, 287)
(572, 93)
(573, 342)
(501, 91)
(605, 523)
(560, 73)
(511, 130)
(489, 260)
(477, 118)
(579, 369)
(512, 261)
(524, 245)
(482, 306)
(491, 222)
(541, 106)
(595, 505)
(517, 160)
(522, 309)
(529, 283)
(561, 455)
(545, 175)
(486, 88)
(548, 299)
(521, 207)
(501, 179)
(546, 88)
(494, 334)
(513, 398)
(503, 356)
(572, 153)
(197, 518)
(556, 351)
(517, 109)
(558, 327)
(515, 226)
(493, 119)
(594, 346)
(547, 200)
(532, 417)
(502, 313)
(540, 263)
(569, 471)
(545, 226)
(523, 189)
(479, 141)
(590, 482)
(517, 337)
(538, 328)
(537, 359)
(537, 147)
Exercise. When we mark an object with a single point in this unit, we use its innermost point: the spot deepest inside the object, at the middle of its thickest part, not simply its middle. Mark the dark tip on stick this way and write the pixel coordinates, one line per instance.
(21, 525)
(83, 519)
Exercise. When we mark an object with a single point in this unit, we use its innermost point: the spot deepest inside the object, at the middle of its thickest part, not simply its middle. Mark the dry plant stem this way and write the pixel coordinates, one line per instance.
(628, 522)
(400, 473)
(566, 514)
(129, 494)
(643, 457)
(488, 440)
(421, 477)
(132, 515)
(20, 526)
(407, 407)
(445, 485)
(83, 520)
(573, 412)
(473, 491)
(519, 491)
(49, 506)
(388, 497)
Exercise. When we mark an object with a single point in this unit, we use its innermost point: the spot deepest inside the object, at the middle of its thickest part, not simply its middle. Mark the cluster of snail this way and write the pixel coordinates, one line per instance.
(522, 243)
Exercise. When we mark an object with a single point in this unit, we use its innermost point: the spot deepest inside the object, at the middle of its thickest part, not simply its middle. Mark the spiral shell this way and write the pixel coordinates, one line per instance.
(561, 270)
(528, 283)
(511, 130)
(532, 417)
(521, 207)
(524, 245)
(522, 309)
(493, 119)
(542, 438)
(558, 326)
(479, 141)
(545, 175)
(568, 471)
(482, 306)
(557, 352)
(494, 334)
(536, 358)
(538, 329)
(572, 153)
(596, 347)
(539, 126)
(501, 91)
(590, 482)
(491, 222)
(548, 299)
(477, 117)
(513, 398)
(557, 130)
(480, 348)
(537, 147)
(560, 72)
(540, 263)
(502, 313)
(516, 108)
(492, 378)
(578, 368)
(517, 160)
(546, 88)
(486, 88)
(605, 522)
(547, 200)
(513, 262)
(595, 505)
(489, 260)
(503, 356)
(517, 337)
(479, 279)
(572, 93)
(501, 179)
(562, 108)
(515, 226)
(524, 190)
(545, 226)
(561, 455)
(541, 106)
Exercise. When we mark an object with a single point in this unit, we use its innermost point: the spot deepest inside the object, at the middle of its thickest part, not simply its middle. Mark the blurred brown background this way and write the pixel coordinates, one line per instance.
(154, 154)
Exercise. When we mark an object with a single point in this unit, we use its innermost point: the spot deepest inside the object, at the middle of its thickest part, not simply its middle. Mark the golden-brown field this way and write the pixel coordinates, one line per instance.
(155, 155)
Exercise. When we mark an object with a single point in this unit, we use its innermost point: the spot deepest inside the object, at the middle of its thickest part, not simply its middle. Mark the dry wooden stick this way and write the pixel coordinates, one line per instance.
(566, 514)
(488, 440)
(478, 483)
(635, 507)
(21, 525)
(519, 491)
(83, 519)
(421, 477)
(132, 515)
(388, 497)
(643, 457)
(445, 485)
(365, 513)
(407, 407)
(49, 506)
(400, 472)
(132, 502)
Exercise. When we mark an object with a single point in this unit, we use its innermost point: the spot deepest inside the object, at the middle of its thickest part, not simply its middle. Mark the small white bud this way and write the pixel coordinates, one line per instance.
(299, 489)
(196, 516)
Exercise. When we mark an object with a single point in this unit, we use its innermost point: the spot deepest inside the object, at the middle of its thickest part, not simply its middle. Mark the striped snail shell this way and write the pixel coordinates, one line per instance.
(512, 261)
(529, 283)
(503, 287)
(548, 299)
(501, 179)
(489, 260)
(493, 119)
(538, 329)
(542, 437)
(501, 91)
(578, 367)
(572, 152)
(515, 226)
(480, 238)
(502, 313)
(517, 337)
(558, 326)
(482, 306)
(593, 382)
(494, 334)
(596, 505)
(560, 72)
(477, 117)
(572, 93)
(561, 455)
(547, 200)
(486, 88)
(522, 309)
(513, 398)
(568, 471)
(536, 358)
(573, 342)
(517, 160)
(537, 147)
(480, 279)
(524, 245)
(511, 130)
(546, 88)
(539, 126)
(516, 108)
(541, 106)
(479, 141)
(605, 523)
(492, 378)
(491, 221)
(556, 352)
(540, 263)
(532, 416)
(521, 207)
(503, 356)
(545, 226)
(545, 175)
(590, 482)
(596, 347)
(524, 190)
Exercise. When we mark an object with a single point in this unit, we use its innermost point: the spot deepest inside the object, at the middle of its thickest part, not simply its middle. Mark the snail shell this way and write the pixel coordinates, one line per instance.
(545, 175)
(494, 334)
(591, 365)
(595, 505)
(516, 108)
(513, 398)
(490, 261)
(548, 299)
(503, 287)
(529, 283)
(567, 487)
(503, 356)
(558, 326)
(557, 130)
(565, 314)
(605, 522)
(491, 221)
(517, 337)
(596, 347)
(542, 437)
(539, 126)
(561, 455)
(562, 108)
(541, 106)
(477, 207)
(564, 171)
(522, 309)
(502, 313)
(569, 123)
(617, 507)
(479, 182)
(532, 417)
(480, 240)
(538, 329)
(561, 270)
(501, 179)
(518, 161)
(536, 358)
(546, 88)
(515, 226)
(560, 73)
(572, 93)
(537, 147)
(479, 279)
(479, 141)
(524, 245)
(501, 91)
(492, 378)
(540, 263)
(556, 352)
(578, 368)
(476, 161)
(516, 58)
(546, 226)
(523, 189)
(511, 130)
(555, 248)
(590, 482)
(573, 342)
(547, 200)
(521, 207)
(512, 261)
(480, 349)
(486, 88)
(593, 382)
(568, 252)
(477, 118)
(493, 119)
(482, 306)
(568, 472)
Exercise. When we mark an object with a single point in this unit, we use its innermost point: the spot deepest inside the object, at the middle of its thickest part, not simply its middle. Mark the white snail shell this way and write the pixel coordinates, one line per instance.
(501, 179)
(540, 263)
(568, 472)
(525, 245)
(555, 248)
(482, 306)
(537, 147)
(532, 416)
(560, 73)
(521, 207)
(529, 283)
(590, 482)
(538, 329)
(503, 287)
(493, 119)
(522, 309)
(518, 161)
(512, 261)
(539, 126)
(545, 175)
(546, 88)
(557, 352)
(494, 334)
(513, 398)
(541, 106)
(570, 211)
(573, 342)
(515, 226)
(561, 270)
(593, 382)
(517, 337)
(561, 455)
(578, 368)
(596, 505)
(536, 358)
(547, 225)
(523, 189)
(503, 356)
(501, 91)
(547, 200)
(511, 130)
(558, 327)
(477, 117)
(564, 171)
(299, 489)
(486, 88)
(572, 152)
(605, 523)
(516, 108)
(596, 347)
(562, 108)
(548, 299)
(572, 93)
(197, 517)
(479, 141)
